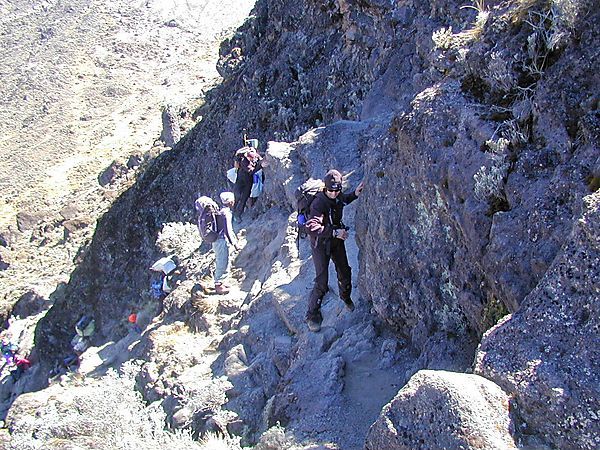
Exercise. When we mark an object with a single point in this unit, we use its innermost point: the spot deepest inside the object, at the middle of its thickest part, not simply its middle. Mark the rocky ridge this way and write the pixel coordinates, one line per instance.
(481, 200)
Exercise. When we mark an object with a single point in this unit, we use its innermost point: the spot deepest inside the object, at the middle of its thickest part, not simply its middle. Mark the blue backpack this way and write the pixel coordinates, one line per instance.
(85, 326)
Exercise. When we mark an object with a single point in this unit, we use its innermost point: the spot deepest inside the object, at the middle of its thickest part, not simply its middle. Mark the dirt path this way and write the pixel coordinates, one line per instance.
(337, 379)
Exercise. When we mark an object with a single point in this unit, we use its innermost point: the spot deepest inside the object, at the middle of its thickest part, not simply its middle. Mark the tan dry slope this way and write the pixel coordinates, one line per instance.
(83, 83)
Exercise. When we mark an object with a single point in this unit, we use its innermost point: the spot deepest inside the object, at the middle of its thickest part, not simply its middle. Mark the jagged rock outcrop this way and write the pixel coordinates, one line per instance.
(449, 409)
(478, 212)
(554, 368)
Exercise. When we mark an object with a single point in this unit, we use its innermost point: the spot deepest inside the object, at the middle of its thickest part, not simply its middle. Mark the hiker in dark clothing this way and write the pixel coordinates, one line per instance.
(248, 162)
(327, 235)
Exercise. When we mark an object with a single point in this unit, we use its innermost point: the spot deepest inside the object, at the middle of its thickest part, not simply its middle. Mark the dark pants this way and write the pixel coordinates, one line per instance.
(241, 192)
(325, 250)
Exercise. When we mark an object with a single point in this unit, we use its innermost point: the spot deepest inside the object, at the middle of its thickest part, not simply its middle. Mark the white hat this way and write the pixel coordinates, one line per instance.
(165, 265)
(227, 197)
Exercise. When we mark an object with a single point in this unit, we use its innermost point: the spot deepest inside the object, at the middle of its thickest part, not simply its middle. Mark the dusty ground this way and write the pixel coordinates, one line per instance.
(83, 84)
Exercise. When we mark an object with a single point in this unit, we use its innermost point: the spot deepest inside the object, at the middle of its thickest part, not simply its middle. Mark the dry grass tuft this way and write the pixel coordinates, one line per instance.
(445, 39)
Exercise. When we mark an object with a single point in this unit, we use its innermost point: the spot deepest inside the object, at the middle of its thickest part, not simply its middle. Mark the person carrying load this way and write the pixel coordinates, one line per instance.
(327, 234)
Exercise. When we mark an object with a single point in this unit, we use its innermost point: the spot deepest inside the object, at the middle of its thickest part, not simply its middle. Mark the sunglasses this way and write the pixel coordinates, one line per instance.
(333, 190)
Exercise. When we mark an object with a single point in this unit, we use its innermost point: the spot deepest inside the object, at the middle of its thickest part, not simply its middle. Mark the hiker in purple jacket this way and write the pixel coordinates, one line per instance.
(327, 235)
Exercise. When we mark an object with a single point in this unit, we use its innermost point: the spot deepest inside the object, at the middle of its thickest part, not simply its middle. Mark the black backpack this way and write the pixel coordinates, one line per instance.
(305, 194)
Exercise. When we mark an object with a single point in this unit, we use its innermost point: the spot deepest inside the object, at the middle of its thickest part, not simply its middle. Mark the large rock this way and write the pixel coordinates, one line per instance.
(446, 410)
(171, 132)
(548, 353)
(472, 206)
(336, 146)
(29, 304)
(116, 170)
(28, 220)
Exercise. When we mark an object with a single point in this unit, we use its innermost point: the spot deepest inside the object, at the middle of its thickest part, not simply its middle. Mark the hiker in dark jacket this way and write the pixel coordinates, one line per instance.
(327, 235)
(248, 162)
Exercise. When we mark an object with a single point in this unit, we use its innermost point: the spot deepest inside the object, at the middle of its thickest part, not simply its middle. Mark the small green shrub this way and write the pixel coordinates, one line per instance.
(494, 311)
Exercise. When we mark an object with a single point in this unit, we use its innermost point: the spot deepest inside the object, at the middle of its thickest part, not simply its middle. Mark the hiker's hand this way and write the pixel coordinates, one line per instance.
(359, 188)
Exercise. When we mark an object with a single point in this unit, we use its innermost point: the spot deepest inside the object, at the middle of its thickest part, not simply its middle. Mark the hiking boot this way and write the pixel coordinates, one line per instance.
(349, 304)
(314, 320)
(221, 289)
(313, 325)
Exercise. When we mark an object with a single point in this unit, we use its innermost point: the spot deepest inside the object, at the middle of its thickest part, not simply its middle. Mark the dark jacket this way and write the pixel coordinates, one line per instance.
(247, 169)
(225, 227)
(326, 214)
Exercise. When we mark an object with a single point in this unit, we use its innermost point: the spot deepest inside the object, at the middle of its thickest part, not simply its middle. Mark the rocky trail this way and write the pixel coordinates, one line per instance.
(248, 356)
(337, 380)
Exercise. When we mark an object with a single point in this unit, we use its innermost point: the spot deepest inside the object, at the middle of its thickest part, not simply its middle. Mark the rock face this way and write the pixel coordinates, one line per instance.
(472, 213)
(554, 368)
(439, 409)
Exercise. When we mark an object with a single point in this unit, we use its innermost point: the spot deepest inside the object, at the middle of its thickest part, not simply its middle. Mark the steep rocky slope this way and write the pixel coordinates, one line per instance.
(83, 87)
(477, 133)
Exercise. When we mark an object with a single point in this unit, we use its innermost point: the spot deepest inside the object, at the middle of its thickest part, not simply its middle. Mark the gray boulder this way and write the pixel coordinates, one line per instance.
(5, 258)
(444, 410)
(116, 170)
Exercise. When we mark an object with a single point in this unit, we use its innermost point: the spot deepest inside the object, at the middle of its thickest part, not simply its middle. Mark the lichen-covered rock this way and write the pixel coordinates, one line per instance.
(446, 410)
(474, 202)
(548, 354)
(419, 254)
